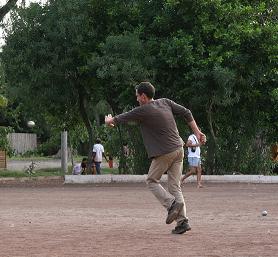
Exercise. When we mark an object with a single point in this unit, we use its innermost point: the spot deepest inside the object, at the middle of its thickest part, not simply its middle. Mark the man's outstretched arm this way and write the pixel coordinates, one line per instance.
(201, 136)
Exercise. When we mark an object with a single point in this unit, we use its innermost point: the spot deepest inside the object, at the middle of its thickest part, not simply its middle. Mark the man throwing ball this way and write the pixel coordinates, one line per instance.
(164, 146)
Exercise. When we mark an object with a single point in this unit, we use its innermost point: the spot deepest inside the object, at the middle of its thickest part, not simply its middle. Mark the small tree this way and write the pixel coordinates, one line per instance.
(4, 143)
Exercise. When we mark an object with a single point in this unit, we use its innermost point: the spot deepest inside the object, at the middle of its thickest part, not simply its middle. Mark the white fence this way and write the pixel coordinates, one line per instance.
(22, 142)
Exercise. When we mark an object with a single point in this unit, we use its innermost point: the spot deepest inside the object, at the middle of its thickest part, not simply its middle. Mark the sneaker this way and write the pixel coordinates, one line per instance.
(173, 212)
(181, 228)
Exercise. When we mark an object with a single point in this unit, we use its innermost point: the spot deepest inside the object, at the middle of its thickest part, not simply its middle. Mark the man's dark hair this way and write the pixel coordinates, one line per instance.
(147, 88)
(98, 141)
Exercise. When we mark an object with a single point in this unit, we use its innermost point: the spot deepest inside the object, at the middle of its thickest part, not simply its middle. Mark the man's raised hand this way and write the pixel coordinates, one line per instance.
(109, 120)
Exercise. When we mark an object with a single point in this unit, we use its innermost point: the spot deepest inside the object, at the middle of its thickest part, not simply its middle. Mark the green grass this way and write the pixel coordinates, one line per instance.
(103, 171)
(109, 171)
(23, 158)
(46, 173)
(37, 173)
(30, 158)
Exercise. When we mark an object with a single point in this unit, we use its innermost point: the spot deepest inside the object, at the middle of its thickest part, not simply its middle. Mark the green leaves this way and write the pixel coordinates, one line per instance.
(216, 57)
(178, 50)
(3, 101)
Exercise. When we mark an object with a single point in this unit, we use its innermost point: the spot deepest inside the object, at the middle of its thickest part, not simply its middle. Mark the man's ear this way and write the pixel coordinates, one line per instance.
(145, 97)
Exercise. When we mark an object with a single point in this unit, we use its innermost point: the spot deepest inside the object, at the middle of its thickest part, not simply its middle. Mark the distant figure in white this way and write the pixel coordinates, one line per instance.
(98, 152)
(194, 159)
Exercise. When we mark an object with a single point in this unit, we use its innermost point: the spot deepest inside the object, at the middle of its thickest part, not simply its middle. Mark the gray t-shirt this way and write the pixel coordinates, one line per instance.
(158, 125)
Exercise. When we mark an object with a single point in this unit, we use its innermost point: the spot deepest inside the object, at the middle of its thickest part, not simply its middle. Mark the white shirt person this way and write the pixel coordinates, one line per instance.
(98, 152)
(194, 159)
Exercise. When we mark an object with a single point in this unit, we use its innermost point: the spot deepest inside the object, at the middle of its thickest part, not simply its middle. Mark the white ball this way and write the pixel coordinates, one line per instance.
(30, 124)
(264, 213)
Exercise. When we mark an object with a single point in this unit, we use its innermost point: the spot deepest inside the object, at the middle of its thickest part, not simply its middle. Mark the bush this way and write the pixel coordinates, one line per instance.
(136, 162)
(50, 147)
(4, 143)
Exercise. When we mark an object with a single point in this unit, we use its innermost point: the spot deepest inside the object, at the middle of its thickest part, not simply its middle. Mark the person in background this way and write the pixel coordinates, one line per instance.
(110, 160)
(80, 168)
(194, 159)
(164, 146)
(98, 152)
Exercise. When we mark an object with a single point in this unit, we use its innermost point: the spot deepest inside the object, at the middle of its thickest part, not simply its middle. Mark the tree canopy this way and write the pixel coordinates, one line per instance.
(218, 58)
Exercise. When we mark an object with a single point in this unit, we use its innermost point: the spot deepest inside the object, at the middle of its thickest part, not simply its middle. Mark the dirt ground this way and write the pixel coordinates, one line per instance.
(126, 220)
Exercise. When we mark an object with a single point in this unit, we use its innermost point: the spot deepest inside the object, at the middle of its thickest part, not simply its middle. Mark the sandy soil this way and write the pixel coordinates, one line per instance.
(126, 220)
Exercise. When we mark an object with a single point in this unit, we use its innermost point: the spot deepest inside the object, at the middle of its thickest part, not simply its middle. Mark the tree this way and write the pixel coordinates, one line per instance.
(47, 53)
(44, 54)
(3, 11)
(122, 63)
(216, 57)
(6, 8)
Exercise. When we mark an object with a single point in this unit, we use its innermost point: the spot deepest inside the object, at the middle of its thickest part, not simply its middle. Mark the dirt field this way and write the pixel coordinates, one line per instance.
(126, 220)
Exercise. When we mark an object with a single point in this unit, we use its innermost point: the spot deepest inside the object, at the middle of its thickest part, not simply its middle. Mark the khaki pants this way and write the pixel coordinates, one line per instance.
(173, 164)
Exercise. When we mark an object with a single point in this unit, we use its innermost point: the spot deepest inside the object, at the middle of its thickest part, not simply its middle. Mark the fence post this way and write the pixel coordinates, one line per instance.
(3, 159)
(64, 152)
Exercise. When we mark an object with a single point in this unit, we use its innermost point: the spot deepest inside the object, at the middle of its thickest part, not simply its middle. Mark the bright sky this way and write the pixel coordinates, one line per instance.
(2, 2)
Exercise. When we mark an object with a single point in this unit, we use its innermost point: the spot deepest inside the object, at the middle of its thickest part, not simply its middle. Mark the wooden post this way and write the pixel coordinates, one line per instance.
(64, 152)
(3, 159)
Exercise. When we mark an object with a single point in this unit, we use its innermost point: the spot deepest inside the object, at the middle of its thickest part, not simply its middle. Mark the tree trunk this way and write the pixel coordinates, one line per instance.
(71, 152)
(6, 8)
(122, 160)
(211, 153)
(88, 125)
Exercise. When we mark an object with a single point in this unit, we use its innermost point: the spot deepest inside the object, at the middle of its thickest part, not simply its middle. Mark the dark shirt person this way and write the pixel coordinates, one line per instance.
(164, 146)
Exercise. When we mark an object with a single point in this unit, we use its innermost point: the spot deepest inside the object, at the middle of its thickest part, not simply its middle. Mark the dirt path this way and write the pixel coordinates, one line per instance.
(126, 220)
